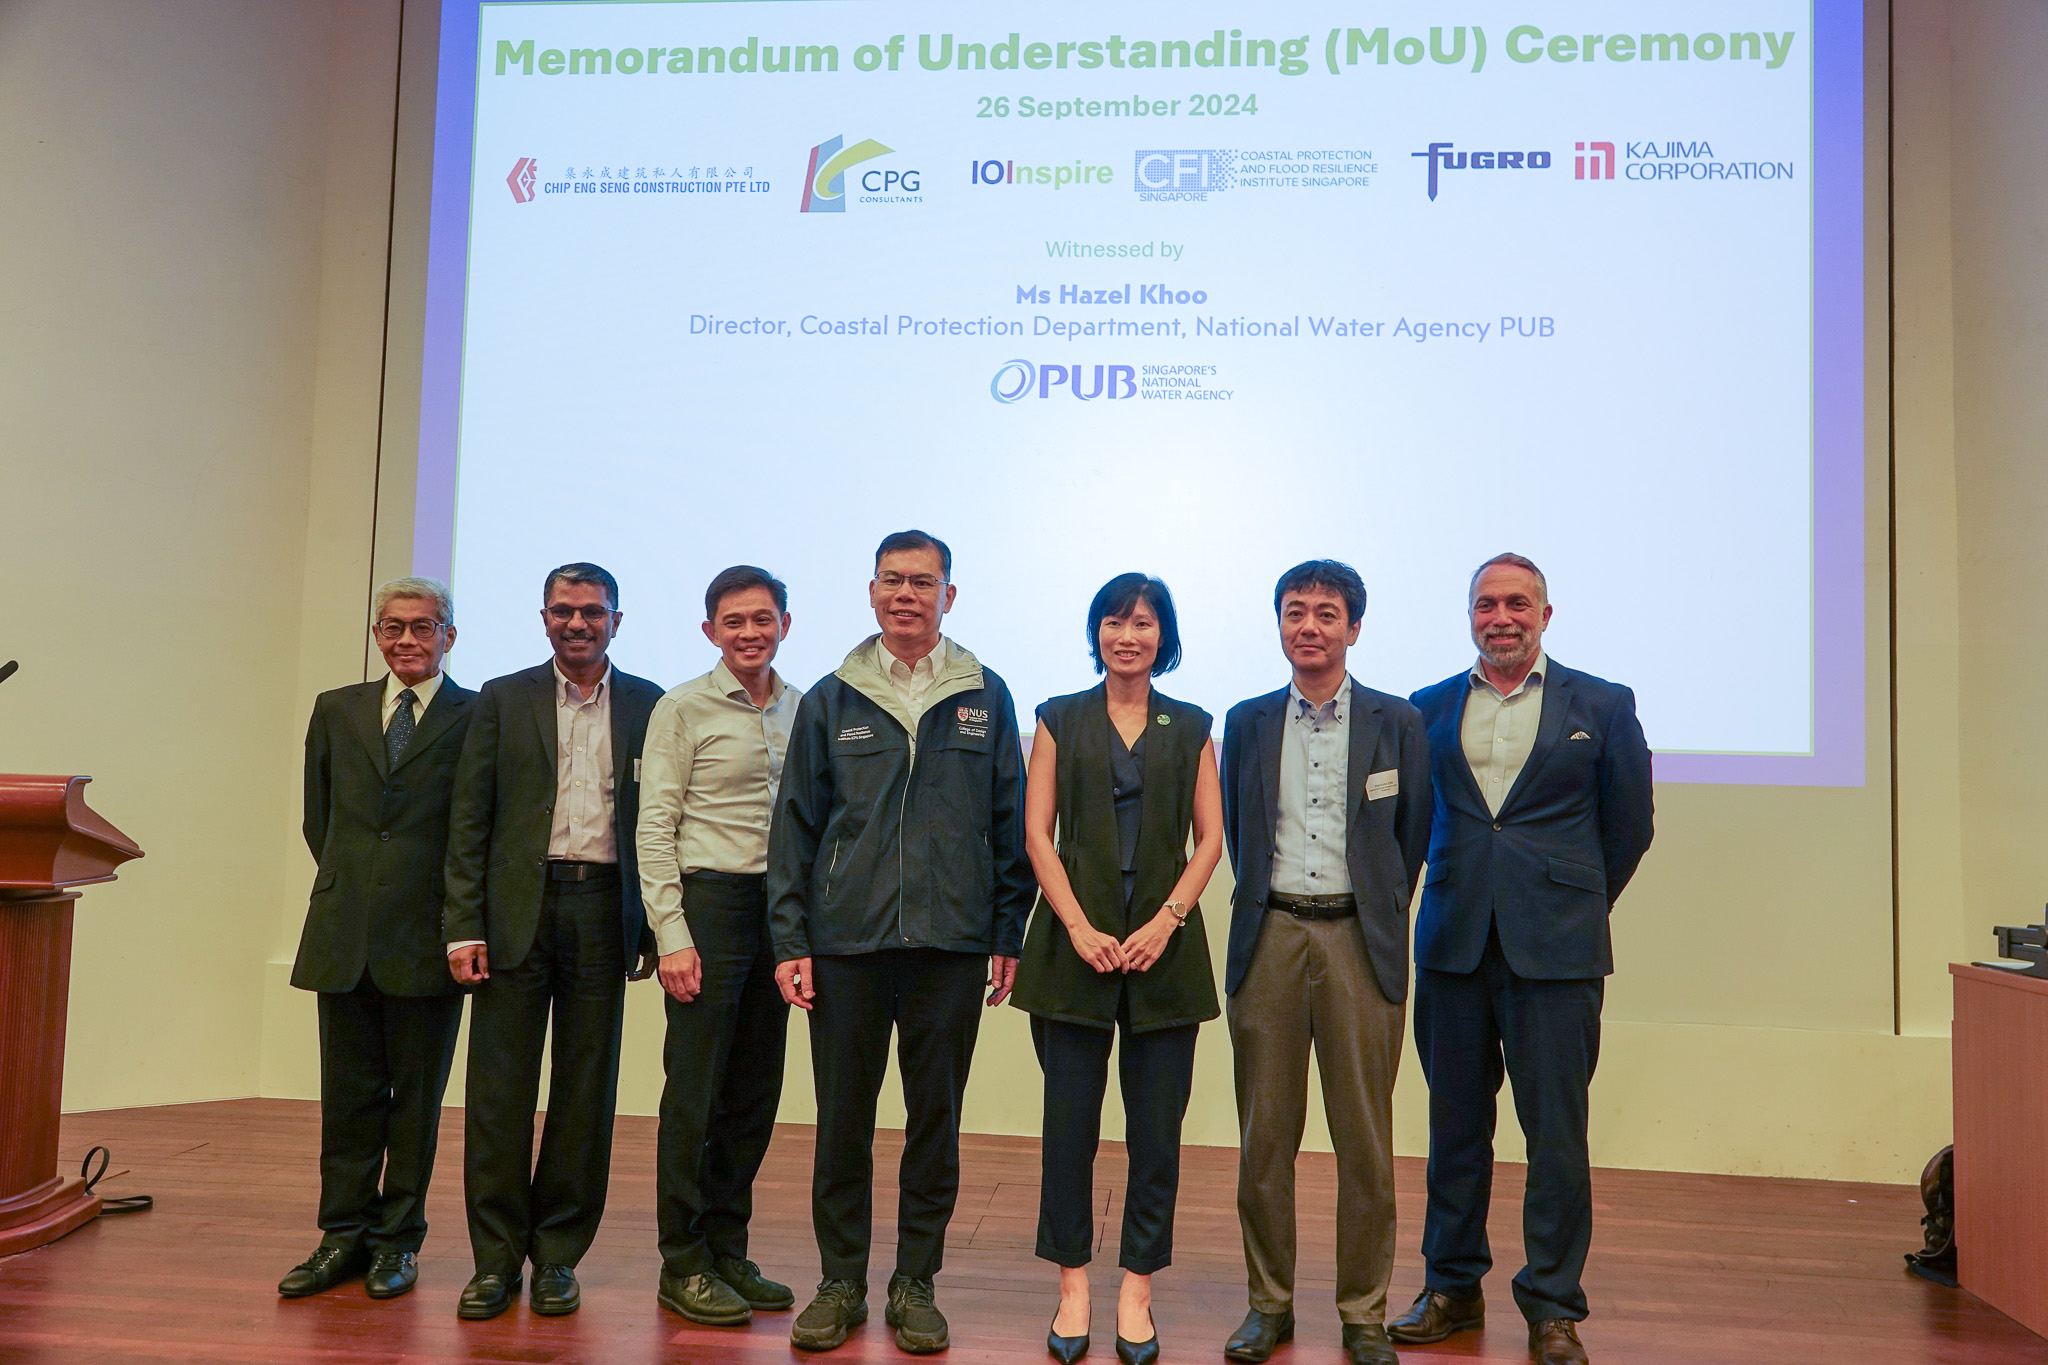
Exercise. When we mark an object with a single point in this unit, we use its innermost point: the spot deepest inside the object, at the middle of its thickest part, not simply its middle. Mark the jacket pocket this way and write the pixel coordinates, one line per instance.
(1438, 872)
(1579, 875)
(325, 880)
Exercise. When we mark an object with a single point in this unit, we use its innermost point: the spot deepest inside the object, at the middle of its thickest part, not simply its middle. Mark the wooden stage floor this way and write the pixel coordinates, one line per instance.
(1685, 1268)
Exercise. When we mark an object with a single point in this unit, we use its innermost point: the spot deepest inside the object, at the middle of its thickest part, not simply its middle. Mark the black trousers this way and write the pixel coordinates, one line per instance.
(384, 1063)
(1156, 1070)
(546, 1211)
(932, 1000)
(1546, 1035)
(723, 1061)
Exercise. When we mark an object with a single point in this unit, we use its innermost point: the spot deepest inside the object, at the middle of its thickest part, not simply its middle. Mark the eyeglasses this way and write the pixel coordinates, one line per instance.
(564, 613)
(923, 584)
(390, 629)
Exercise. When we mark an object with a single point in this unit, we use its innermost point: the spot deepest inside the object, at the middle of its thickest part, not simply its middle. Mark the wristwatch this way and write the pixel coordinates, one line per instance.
(1179, 911)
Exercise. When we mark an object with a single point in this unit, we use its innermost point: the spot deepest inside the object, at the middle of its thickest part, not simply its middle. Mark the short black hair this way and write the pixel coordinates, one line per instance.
(1116, 598)
(739, 578)
(1330, 575)
(915, 540)
(580, 572)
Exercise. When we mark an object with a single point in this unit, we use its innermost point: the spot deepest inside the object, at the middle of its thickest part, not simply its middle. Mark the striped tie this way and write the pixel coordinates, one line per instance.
(399, 733)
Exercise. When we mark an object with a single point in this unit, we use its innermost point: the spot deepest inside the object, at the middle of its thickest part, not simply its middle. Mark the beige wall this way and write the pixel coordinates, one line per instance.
(1751, 1022)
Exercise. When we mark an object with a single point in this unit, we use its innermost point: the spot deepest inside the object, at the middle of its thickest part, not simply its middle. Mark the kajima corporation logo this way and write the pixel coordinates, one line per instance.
(525, 172)
(1594, 162)
(825, 177)
(1016, 379)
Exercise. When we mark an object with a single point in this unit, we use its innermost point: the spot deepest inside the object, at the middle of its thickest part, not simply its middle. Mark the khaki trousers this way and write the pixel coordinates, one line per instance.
(1309, 983)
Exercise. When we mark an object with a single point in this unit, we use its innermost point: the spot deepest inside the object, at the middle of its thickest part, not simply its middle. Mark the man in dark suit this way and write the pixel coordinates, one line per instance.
(380, 763)
(1326, 810)
(544, 916)
(1543, 810)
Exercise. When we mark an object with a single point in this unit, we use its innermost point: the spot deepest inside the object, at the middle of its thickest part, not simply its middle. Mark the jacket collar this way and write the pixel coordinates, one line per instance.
(862, 671)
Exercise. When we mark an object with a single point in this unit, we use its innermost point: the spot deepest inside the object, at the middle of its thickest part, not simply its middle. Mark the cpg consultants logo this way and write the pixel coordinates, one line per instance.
(525, 174)
(831, 161)
(1017, 379)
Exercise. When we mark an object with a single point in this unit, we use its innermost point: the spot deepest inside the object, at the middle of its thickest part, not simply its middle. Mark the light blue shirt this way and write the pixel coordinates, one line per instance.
(1315, 757)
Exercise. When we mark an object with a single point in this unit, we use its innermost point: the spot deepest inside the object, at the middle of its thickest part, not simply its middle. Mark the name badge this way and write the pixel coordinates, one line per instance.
(1387, 783)
(636, 770)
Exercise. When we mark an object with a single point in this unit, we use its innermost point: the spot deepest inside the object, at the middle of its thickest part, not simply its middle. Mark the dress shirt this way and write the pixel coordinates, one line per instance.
(584, 809)
(423, 697)
(913, 682)
(709, 773)
(1499, 730)
(1315, 761)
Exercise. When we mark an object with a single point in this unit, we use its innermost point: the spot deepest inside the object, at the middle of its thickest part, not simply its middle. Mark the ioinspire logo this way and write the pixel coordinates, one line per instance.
(1017, 379)
(825, 177)
(525, 174)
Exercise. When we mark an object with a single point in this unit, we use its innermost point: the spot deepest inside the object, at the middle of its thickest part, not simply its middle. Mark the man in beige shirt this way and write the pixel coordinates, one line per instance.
(711, 766)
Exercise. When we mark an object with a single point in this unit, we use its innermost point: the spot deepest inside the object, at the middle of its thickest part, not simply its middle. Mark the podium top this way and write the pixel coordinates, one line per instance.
(50, 839)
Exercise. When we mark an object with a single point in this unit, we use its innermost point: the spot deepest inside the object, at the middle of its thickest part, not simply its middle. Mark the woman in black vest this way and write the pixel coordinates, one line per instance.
(1116, 943)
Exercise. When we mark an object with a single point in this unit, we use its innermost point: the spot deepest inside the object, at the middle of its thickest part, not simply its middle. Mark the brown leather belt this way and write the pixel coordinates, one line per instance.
(1314, 907)
(563, 870)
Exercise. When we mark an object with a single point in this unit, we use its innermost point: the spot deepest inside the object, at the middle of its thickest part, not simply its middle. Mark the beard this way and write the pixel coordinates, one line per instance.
(1507, 652)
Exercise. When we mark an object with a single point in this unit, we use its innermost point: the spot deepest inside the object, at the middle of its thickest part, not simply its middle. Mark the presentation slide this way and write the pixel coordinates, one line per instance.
(1199, 289)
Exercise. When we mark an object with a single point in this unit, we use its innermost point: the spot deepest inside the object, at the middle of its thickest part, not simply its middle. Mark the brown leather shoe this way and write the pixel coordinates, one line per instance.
(1556, 1342)
(1435, 1316)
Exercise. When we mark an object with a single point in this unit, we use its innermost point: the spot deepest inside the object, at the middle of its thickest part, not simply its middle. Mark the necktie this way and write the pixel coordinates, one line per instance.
(399, 733)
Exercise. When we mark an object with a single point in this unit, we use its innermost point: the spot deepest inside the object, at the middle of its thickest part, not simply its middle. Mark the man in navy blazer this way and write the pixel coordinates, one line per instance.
(1326, 810)
(1543, 810)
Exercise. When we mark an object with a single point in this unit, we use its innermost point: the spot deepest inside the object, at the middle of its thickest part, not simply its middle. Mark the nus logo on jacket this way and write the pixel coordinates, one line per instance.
(973, 721)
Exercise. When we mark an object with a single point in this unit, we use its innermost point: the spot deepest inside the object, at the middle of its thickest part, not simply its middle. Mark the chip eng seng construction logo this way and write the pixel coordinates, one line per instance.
(525, 172)
(825, 177)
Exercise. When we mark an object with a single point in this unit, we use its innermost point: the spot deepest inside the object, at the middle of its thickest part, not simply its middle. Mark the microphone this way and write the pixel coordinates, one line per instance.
(7, 669)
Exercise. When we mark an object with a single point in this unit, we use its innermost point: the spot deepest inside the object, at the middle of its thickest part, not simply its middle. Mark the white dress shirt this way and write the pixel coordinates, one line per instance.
(423, 697)
(1315, 762)
(1499, 730)
(913, 682)
(710, 769)
(584, 808)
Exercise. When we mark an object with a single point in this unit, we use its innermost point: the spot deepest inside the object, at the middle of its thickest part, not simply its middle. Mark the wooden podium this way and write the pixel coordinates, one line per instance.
(49, 842)
(2001, 1118)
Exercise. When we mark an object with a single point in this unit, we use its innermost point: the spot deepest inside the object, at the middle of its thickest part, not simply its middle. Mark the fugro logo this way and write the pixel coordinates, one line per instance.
(1017, 379)
(825, 176)
(525, 172)
(1441, 157)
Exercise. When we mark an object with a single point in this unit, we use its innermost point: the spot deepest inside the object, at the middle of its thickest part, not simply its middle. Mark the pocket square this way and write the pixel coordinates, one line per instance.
(1580, 734)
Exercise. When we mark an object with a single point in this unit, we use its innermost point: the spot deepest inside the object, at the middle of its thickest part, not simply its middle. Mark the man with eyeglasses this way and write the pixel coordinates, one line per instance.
(544, 918)
(897, 887)
(380, 767)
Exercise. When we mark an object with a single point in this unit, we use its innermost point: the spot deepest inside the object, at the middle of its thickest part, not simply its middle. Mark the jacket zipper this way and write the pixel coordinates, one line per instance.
(902, 809)
(834, 867)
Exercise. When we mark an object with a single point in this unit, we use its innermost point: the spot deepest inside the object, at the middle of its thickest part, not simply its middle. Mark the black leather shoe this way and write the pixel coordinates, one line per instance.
(486, 1296)
(1066, 1350)
(1435, 1316)
(1555, 1342)
(1138, 1352)
(704, 1298)
(1365, 1343)
(1258, 1335)
(841, 1306)
(320, 1272)
(762, 1294)
(920, 1326)
(391, 1273)
(555, 1293)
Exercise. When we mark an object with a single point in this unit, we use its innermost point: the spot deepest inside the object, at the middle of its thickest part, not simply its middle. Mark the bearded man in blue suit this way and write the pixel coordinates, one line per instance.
(1542, 811)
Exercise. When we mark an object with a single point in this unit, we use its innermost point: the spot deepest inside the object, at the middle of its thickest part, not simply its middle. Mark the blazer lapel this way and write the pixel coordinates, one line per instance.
(622, 723)
(1366, 719)
(1449, 740)
(1556, 701)
(544, 716)
(366, 711)
(1270, 721)
(441, 713)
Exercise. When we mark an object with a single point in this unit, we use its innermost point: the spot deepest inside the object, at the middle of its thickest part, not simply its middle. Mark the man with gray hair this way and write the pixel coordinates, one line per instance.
(380, 767)
(1543, 811)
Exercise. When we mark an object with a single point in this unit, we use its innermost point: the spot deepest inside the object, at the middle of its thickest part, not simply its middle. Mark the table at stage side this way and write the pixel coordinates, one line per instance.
(2001, 1125)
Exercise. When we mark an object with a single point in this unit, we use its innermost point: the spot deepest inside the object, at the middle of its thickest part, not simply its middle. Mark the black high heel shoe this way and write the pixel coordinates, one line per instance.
(1066, 1350)
(1139, 1352)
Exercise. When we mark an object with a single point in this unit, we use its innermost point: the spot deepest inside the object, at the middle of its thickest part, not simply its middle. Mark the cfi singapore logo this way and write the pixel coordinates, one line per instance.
(825, 176)
(525, 173)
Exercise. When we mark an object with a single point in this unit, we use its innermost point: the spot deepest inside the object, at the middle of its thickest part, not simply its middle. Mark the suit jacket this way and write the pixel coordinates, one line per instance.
(505, 810)
(1384, 839)
(1547, 869)
(380, 832)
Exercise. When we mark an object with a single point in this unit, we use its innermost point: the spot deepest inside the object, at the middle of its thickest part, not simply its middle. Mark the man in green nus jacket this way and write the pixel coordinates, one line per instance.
(897, 887)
